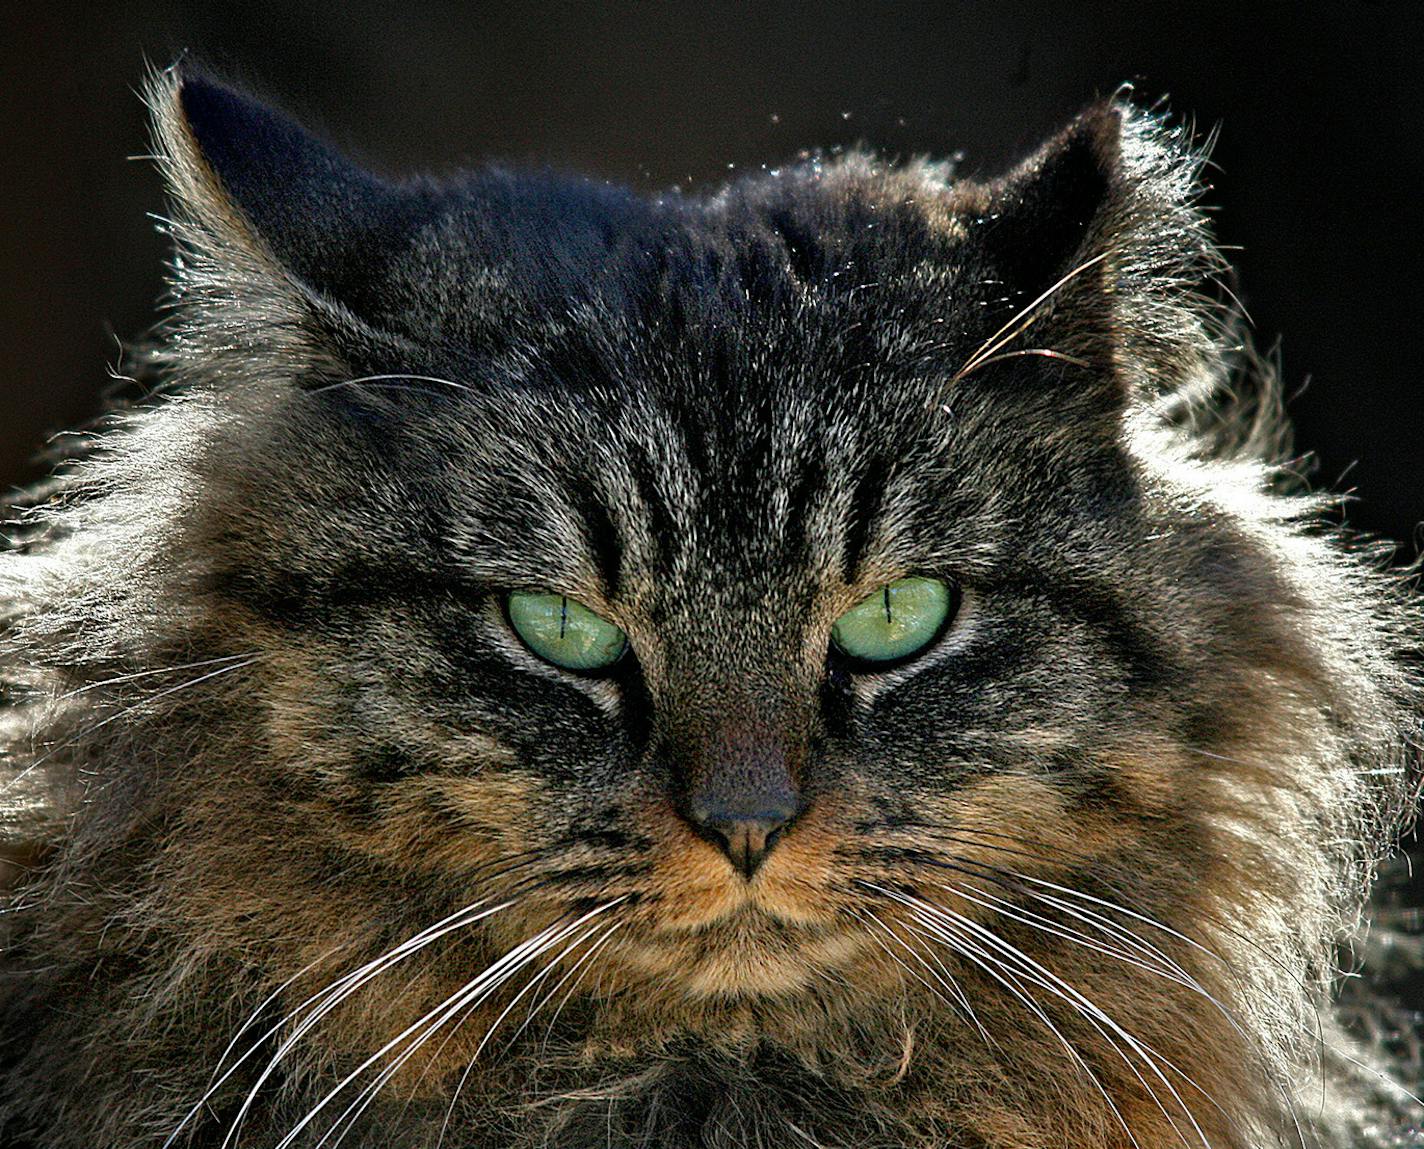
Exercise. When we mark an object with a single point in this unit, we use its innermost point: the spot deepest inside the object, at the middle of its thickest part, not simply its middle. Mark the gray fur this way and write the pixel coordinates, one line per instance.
(1171, 688)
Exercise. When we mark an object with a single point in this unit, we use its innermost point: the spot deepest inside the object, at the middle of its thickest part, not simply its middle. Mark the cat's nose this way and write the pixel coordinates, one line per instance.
(739, 782)
(745, 840)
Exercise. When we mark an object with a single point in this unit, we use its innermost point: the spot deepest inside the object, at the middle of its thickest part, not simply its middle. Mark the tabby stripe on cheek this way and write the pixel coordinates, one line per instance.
(1147, 661)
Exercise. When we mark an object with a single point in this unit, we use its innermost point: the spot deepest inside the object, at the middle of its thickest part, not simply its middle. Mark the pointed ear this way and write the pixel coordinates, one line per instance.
(1046, 209)
(1100, 244)
(268, 218)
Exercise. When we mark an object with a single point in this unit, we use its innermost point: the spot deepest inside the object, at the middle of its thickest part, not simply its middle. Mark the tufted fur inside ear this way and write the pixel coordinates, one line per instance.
(1099, 241)
(1045, 211)
(321, 215)
(280, 239)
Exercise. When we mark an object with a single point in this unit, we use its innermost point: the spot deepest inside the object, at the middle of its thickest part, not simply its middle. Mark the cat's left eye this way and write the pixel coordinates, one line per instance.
(899, 620)
(563, 631)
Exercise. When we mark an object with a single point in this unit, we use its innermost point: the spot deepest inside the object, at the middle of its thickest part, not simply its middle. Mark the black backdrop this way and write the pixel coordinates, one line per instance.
(1318, 179)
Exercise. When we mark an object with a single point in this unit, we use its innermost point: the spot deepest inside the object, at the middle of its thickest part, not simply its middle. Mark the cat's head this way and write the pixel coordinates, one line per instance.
(764, 594)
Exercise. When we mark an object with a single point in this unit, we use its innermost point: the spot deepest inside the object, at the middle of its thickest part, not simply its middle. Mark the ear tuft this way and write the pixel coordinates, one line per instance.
(204, 214)
(1048, 206)
(316, 211)
(1103, 221)
(258, 191)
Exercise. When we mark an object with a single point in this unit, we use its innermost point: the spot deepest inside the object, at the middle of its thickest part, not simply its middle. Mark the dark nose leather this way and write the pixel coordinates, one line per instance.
(745, 840)
(739, 773)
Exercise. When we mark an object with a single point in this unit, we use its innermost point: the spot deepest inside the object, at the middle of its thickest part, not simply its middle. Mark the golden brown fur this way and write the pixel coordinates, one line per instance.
(325, 851)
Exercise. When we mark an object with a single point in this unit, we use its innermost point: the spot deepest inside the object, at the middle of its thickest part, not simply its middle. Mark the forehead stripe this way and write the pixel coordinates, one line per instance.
(600, 534)
(659, 525)
(865, 506)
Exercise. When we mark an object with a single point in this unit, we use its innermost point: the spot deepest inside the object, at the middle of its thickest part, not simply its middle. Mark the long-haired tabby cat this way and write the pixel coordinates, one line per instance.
(837, 662)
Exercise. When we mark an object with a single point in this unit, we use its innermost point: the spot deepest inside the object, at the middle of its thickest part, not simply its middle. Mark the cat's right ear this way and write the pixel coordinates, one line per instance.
(280, 238)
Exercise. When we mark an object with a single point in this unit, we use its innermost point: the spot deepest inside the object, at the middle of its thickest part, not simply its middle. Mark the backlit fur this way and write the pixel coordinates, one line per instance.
(1073, 878)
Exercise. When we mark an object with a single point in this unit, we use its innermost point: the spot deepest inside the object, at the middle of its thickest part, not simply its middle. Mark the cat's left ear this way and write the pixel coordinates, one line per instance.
(280, 238)
(1103, 252)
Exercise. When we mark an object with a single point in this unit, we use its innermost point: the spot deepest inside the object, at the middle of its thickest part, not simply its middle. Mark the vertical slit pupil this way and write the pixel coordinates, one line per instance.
(563, 617)
(887, 606)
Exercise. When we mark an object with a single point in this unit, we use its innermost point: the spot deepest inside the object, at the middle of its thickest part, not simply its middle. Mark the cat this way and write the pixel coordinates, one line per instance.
(845, 660)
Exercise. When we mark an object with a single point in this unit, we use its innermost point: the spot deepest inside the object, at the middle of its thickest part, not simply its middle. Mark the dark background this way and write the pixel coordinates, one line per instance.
(1319, 177)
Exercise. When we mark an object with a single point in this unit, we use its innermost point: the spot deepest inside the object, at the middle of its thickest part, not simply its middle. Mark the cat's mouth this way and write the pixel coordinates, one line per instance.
(772, 936)
(740, 913)
(747, 952)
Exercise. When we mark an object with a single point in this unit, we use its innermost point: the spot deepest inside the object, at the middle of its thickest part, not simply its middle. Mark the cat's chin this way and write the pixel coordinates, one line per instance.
(747, 953)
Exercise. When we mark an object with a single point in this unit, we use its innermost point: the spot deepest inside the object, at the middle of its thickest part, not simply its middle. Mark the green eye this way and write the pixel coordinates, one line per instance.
(563, 631)
(898, 620)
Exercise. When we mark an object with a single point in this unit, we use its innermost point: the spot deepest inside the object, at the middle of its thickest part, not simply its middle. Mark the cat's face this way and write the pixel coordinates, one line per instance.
(724, 535)
(759, 414)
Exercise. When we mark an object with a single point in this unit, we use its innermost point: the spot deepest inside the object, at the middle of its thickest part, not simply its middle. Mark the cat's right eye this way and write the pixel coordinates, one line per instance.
(563, 631)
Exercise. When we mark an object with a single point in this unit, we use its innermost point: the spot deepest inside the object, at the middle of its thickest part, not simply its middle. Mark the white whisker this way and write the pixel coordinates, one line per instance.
(364, 379)
(533, 983)
(1005, 977)
(414, 1036)
(1153, 955)
(1026, 917)
(945, 978)
(122, 678)
(1024, 319)
(1037, 352)
(469, 997)
(427, 1024)
(1055, 985)
(124, 713)
(1095, 1017)
(586, 962)
(572, 971)
(1143, 918)
(321, 1004)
